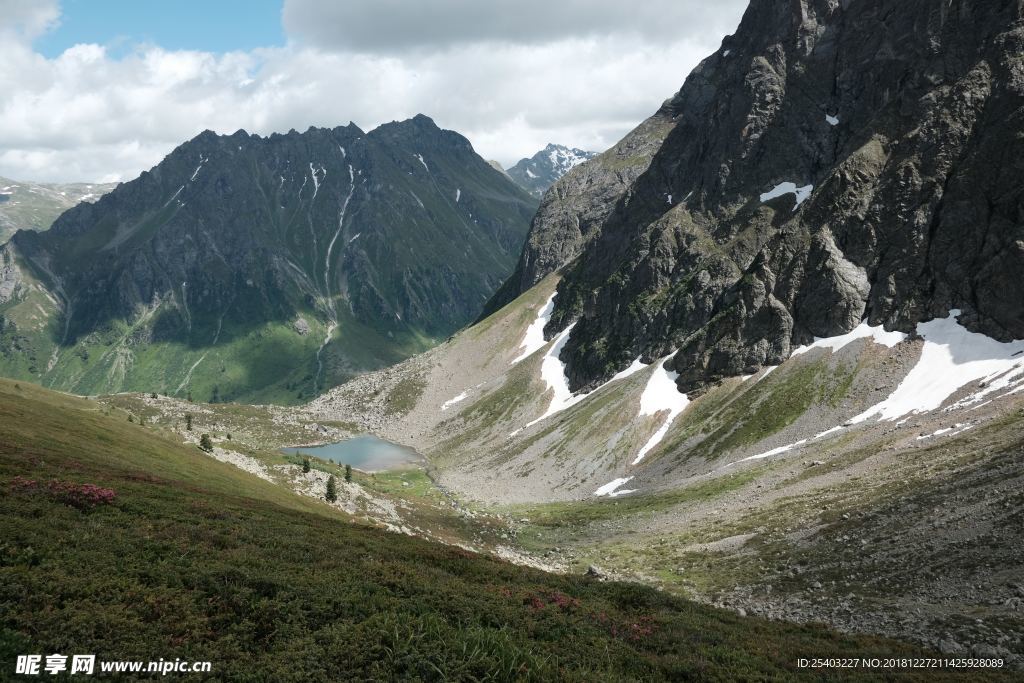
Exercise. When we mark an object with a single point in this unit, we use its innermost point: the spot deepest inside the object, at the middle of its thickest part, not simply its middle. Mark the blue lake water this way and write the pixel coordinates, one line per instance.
(366, 453)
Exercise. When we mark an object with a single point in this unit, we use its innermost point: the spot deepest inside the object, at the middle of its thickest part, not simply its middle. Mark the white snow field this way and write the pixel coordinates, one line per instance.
(862, 331)
(660, 395)
(951, 357)
(609, 489)
(802, 193)
(533, 340)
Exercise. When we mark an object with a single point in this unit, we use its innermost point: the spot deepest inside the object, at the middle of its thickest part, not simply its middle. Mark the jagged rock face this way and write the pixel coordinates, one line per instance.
(392, 237)
(577, 204)
(539, 172)
(903, 117)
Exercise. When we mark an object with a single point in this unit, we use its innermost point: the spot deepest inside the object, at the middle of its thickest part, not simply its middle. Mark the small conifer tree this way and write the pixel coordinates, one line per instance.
(188, 421)
(332, 489)
(305, 465)
(206, 443)
(348, 473)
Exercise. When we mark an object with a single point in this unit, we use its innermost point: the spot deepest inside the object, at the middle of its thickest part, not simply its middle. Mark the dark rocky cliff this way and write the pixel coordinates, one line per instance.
(899, 122)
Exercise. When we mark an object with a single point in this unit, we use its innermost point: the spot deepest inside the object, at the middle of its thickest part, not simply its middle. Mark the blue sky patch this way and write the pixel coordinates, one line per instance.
(209, 25)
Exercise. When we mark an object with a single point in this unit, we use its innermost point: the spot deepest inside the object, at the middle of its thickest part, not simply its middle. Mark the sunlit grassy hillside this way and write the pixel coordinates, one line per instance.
(196, 560)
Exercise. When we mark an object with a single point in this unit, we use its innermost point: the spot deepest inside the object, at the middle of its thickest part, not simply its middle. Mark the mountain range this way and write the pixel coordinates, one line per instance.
(253, 268)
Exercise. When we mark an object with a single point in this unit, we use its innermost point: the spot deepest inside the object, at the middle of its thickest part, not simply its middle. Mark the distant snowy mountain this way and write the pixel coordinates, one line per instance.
(540, 171)
(35, 206)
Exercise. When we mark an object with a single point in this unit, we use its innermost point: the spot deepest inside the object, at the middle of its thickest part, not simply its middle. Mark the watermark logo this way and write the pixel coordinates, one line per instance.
(37, 665)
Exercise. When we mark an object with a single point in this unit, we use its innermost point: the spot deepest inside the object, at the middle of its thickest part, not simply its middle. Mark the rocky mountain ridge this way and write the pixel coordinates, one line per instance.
(831, 162)
(296, 260)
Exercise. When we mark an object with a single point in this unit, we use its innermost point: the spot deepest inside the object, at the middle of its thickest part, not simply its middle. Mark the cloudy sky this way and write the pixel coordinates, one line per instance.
(99, 91)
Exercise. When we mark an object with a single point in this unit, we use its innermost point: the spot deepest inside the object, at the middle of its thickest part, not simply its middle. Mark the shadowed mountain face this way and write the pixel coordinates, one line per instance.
(263, 268)
(832, 161)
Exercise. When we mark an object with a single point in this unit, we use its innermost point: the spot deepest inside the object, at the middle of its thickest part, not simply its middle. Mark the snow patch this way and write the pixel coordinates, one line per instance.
(825, 433)
(420, 157)
(862, 331)
(788, 447)
(552, 369)
(832, 120)
(609, 488)
(530, 174)
(958, 428)
(202, 160)
(635, 367)
(801, 193)
(316, 179)
(951, 357)
(174, 196)
(458, 194)
(998, 381)
(533, 340)
(659, 395)
(448, 404)
(768, 454)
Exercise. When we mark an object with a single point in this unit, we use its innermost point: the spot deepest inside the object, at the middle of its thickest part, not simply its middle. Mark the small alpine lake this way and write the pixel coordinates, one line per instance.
(366, 453)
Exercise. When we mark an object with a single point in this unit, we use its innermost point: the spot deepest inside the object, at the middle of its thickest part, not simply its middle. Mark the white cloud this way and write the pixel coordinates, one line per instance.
(88, 116)
(387, 25)
(29, 18)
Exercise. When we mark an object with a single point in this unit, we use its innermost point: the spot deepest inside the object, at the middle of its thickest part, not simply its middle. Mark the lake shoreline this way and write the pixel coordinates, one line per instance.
(365, 453)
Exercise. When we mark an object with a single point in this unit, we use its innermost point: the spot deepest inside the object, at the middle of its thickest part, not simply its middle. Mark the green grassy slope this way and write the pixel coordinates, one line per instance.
(197, 560)
(35, 206)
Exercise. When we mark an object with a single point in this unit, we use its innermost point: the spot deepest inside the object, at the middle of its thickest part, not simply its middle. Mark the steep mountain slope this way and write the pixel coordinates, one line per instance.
(831, 162)
(821, 246)
(539, 172)
(263, 268)
(574, 208)
(35, 206)
(213, 564)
